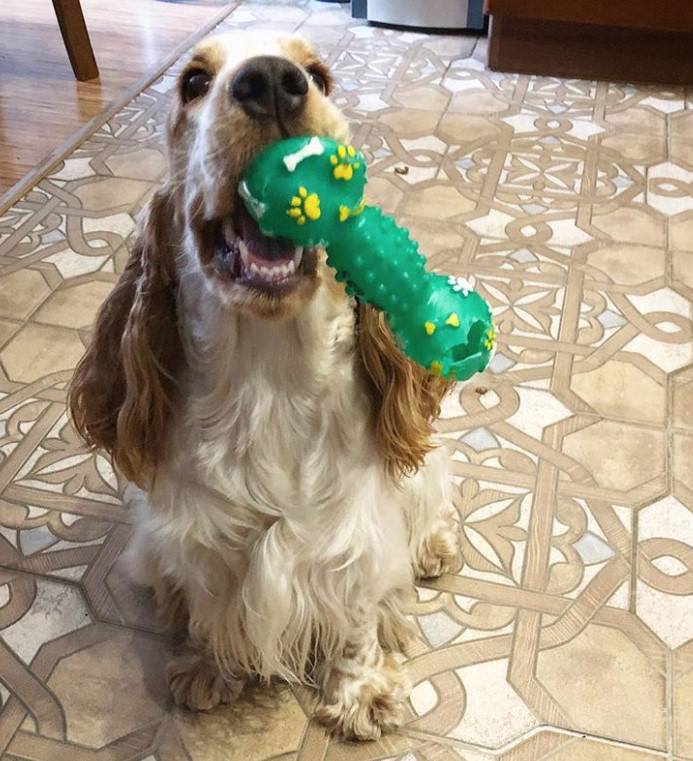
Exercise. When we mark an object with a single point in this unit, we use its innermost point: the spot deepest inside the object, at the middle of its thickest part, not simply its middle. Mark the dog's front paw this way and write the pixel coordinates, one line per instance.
(197, 684)
(361, 706)
(439, 551)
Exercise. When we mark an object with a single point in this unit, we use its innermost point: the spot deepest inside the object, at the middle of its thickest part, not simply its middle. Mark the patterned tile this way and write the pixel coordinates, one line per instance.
(568, 633)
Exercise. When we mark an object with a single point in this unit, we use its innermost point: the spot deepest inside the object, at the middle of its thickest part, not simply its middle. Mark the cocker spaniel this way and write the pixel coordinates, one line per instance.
(289, 489)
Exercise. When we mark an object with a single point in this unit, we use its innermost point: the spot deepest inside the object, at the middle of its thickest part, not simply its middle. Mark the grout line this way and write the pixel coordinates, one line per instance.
(669, 708)
(20, 188)
(633, 588)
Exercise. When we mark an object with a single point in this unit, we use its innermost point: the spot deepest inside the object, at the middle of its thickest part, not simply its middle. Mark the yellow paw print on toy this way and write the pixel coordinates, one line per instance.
(346, 213)
(490, 341)
(304, 206)
(343, 162)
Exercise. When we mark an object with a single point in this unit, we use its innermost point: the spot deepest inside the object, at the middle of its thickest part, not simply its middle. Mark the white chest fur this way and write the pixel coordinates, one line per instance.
(274, 511)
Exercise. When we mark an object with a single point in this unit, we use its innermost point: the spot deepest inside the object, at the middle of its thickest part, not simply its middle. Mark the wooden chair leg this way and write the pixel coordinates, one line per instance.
(76, 38)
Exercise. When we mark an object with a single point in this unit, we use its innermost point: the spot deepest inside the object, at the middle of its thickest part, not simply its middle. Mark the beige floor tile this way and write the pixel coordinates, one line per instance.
(412, 122)
(622, 390)
(111, 688)
(74, 307)
(437, 202)
(428, 97)
(607, 686)
(383, 192)
(258, 726)
(639, 121)
(627, 264)
(681, 150)
(39, 350)
(681, 233)
(682, 461)
(21, 292)
(549, 746)
(641, 148)
(7, 329)
(434, 237)
(683, 267)
(682, 399)
(683, 701)
(477, 103)
(451, 46)
(682, 124)
(142, 164)
(631, 225)
(462, 128)
(110, 193)
(635, 455)
(593, 750)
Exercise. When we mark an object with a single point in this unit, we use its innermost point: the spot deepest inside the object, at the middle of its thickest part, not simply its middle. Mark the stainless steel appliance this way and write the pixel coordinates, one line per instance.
(428, 14)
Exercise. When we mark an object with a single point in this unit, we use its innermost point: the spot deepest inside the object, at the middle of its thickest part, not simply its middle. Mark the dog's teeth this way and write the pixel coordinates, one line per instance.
(273, 273)
(298, 255)
(228, 231)
(245, 254)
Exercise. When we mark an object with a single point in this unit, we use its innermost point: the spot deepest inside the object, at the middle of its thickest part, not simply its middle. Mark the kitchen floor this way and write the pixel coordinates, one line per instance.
(568, 634)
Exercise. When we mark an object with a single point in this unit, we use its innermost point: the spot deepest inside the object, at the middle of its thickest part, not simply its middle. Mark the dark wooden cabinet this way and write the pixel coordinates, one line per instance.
(637, 40)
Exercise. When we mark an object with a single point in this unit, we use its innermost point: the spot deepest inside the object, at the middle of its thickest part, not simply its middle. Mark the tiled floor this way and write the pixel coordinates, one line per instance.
(568, 635)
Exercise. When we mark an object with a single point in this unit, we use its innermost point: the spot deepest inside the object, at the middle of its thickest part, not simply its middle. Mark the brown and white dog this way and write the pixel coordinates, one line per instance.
(282, 443)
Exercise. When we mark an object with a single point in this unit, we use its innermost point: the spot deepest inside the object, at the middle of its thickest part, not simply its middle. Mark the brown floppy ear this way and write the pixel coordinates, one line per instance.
(406, 399)
(122, 392)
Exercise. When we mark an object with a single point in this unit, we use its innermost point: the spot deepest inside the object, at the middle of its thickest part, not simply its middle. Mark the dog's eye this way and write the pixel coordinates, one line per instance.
(317, 74)
(195, 84)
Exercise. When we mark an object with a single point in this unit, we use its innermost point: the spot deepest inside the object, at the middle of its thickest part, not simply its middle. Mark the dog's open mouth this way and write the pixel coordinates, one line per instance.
(246, 257)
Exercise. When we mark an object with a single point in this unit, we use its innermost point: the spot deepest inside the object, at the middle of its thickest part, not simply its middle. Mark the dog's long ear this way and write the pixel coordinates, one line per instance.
(123, 389)
(406, 399)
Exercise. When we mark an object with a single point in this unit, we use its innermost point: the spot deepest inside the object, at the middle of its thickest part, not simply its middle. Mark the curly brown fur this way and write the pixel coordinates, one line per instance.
(123, 390)
(406, 399)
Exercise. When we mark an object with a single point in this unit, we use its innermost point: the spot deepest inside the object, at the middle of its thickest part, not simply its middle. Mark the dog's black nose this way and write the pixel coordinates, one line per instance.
(269, 87)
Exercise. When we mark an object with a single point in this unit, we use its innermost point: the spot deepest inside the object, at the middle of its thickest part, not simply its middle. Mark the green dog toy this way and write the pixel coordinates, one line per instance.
(310, 190)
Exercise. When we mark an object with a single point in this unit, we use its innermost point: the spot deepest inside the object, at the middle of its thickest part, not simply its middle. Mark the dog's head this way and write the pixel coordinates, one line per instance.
(237, 94)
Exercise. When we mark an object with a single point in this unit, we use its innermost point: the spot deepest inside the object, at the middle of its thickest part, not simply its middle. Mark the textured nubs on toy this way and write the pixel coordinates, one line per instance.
(310, 190)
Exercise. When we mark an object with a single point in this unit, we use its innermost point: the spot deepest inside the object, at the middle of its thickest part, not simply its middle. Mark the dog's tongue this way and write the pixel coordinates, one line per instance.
(259, 245)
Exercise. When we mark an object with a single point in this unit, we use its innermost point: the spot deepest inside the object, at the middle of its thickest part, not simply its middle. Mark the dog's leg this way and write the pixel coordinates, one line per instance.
(364, 689)
(197, 683)
(194, 678)
(171, 605)
(432, 519)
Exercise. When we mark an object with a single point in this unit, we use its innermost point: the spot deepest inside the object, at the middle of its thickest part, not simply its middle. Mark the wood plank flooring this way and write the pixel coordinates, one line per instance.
(41, 103)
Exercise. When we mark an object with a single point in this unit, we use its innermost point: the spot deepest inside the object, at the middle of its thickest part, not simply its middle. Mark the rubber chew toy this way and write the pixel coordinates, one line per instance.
(310, 190)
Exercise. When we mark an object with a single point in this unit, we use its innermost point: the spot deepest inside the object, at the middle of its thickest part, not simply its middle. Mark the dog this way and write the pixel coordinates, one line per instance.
(288, 485)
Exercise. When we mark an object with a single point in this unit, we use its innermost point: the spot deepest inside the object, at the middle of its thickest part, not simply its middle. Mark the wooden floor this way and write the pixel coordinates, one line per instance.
(41, 104)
